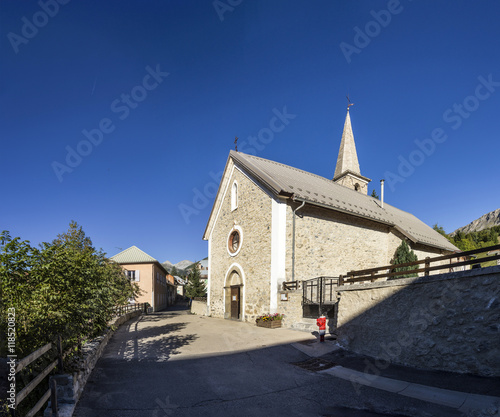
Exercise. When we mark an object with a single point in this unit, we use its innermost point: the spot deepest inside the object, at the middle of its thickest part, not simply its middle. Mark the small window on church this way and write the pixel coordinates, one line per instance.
(234, 196)
(234, 241)
(357, 187)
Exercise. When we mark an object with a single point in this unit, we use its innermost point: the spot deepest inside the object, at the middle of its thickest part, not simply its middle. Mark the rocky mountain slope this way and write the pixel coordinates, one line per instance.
(488, 220)
(181, 266)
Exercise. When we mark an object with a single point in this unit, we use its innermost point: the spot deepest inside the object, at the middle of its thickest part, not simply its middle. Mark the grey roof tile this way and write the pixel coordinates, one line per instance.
(289, 181)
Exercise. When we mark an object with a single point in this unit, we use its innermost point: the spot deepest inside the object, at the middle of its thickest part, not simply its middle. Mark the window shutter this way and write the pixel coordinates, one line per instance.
(137, 275)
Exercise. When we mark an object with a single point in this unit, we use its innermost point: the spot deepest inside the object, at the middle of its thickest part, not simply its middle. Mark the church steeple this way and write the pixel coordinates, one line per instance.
(348, 158)
(347, 170)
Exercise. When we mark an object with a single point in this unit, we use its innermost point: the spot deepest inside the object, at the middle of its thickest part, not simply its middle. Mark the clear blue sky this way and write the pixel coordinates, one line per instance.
(413, 69)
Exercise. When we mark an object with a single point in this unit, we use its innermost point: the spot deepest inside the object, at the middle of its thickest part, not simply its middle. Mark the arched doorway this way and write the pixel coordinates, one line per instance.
(233, 290)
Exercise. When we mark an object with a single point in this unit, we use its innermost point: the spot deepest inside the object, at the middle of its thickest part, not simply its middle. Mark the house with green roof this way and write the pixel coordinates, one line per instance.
(150, 275)
(272, 223)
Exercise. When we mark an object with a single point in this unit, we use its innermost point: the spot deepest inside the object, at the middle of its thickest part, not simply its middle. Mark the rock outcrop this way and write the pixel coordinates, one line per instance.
(488, 220)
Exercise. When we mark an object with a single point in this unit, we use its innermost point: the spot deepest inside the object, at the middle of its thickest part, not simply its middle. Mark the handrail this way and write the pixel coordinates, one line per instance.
(370, 274)
(33, 384)
(33, 356)
(290, 285)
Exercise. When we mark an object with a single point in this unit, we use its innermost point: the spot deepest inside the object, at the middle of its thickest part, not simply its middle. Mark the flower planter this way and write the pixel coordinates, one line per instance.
(270, 324)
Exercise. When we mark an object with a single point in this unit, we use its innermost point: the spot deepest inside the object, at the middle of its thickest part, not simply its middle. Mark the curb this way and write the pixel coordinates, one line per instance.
(462, 401)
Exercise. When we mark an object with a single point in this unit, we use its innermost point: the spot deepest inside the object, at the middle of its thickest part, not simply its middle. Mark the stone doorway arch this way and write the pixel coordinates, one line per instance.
(234, 293)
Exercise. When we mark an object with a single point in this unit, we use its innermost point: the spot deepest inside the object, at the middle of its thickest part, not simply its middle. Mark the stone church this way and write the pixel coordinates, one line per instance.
(272, 223)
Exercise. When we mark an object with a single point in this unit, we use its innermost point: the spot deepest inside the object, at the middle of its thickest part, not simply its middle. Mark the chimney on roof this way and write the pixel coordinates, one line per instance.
(382, 193)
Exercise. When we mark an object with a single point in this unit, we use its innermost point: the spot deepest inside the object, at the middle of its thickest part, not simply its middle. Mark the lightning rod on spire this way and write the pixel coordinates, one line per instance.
(349, 104)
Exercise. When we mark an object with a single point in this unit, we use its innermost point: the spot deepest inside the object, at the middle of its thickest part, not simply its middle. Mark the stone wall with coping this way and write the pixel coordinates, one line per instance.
(447, 322)
(199, 307)
(70, 387)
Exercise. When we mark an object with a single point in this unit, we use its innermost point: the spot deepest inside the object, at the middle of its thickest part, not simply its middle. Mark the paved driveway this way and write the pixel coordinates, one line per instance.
(176, 364)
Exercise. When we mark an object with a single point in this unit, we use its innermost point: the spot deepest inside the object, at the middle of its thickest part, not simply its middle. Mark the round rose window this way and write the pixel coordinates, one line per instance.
(234, 241)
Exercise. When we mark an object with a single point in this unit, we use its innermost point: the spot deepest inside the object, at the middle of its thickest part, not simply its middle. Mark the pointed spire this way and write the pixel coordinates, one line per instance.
(348, 158)
(347, 171)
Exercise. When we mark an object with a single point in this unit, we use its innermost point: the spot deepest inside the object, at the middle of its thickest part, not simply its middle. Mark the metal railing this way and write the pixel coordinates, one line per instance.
(291, 285)
(318, 294)
(121, 310)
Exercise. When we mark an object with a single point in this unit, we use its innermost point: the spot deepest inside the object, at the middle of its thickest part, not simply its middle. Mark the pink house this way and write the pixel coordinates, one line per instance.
(152, 278)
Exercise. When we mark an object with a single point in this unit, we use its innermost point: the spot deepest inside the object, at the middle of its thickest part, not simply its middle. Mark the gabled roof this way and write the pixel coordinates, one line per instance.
(133, 255)
(285, 181)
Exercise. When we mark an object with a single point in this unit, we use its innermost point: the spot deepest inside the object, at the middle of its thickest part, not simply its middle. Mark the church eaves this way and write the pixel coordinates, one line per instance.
(284, 181)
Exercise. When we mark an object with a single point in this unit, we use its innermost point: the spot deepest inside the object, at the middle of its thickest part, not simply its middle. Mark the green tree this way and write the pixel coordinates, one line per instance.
(458, 236)
(465, 244)
(493, 236)
(440, 230)
(375, 195)
(404, 255)
(64, 287)
(174, 271)
(195, 286)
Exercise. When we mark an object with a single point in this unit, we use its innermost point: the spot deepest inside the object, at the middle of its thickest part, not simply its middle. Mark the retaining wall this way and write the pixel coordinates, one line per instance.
(199, 307)
(448, 322)
(291, 308)
(70, 387)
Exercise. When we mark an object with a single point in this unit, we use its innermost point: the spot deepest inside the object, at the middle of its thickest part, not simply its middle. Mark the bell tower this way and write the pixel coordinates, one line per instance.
(347, 171)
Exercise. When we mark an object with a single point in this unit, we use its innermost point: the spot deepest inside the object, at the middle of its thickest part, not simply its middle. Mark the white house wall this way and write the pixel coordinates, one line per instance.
(278, 251)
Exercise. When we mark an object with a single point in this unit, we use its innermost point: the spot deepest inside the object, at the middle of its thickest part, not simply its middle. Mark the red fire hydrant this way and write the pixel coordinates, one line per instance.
(321, 322)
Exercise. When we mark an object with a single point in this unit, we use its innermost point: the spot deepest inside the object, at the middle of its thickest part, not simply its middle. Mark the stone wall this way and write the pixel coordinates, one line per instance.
(329, 243)
(253, 261)
(70, 387)
(292, 308)
(199, 307)
(448, 322)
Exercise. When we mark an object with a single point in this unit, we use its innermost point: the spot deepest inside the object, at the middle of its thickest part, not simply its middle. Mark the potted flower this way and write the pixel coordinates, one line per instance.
(271, 321)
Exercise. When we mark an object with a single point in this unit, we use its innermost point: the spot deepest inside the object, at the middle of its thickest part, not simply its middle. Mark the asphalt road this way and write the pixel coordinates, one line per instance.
(174, 363)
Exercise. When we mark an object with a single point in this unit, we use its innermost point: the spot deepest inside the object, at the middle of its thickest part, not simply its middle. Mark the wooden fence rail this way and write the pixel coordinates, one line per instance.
(387, 271)
(23, 363)
(52, 391)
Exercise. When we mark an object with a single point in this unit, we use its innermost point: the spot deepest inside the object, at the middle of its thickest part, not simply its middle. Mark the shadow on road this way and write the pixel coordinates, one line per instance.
(139, 341)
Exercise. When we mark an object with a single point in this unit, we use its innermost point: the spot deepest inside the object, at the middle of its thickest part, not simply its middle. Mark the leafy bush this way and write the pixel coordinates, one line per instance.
(64, 287)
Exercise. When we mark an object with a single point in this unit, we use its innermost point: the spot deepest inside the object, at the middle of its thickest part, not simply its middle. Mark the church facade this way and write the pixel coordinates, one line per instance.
(272, 223)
